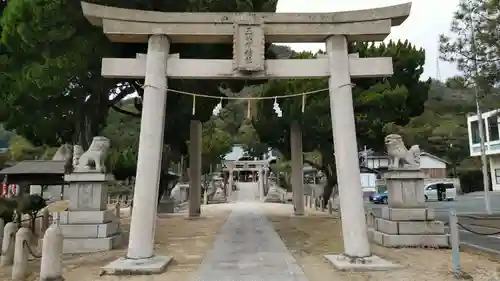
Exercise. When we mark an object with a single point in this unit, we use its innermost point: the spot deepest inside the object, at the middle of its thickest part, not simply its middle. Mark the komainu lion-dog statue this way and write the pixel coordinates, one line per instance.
(399, 155)
(93, 160)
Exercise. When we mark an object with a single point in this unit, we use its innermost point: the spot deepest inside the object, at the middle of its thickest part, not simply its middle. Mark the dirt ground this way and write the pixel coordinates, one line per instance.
(309, 238)
(186, 239)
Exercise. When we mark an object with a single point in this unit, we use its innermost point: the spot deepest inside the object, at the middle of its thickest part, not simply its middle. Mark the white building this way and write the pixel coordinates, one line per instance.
(492, 142)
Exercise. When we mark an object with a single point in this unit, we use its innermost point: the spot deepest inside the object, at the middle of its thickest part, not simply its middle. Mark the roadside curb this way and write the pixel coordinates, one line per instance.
(474, 249)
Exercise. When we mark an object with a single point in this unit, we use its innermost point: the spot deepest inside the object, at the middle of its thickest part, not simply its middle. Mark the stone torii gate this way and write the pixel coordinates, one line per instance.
(247, 32)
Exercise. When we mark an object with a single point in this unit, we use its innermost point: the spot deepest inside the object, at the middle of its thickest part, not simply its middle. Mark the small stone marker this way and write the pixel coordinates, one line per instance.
(9, 235)
(118, 210)
(51, 264)
(21, 254)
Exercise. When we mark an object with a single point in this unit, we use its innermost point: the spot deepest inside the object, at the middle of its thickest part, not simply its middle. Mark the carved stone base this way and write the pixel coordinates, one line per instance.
(405, 188)
(407, 228)
(88, 226)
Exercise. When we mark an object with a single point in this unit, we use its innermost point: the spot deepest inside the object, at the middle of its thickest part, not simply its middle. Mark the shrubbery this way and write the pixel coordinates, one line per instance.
(471, 180)
(25, 204)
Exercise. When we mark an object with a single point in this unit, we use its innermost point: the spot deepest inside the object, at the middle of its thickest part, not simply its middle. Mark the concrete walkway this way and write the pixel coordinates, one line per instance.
(248, 248)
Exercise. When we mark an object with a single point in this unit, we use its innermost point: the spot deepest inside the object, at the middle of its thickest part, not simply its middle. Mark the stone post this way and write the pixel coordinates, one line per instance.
(21, 254)
(9, 237)
(140, 257)
(297, 165)
(118, 210)
(230, 183)
(261, 185)
(52, 247)
(45, 220)
(118, 215)
(354, 228)
(195, 131)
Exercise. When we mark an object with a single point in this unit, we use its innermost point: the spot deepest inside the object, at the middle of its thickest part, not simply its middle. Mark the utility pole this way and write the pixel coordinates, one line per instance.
(480, 121)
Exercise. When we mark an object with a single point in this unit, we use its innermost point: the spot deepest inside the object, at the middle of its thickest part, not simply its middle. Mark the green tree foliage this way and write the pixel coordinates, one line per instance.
(250, 141)
(52, 87)
(474, 42)
(376, 102)
(21, 149)
(437, 133)
(216, 143)
(53, 68)
(123, 132)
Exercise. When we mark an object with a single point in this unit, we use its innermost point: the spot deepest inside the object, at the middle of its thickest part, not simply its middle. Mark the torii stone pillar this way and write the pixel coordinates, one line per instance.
(346, 150)
(195, 168)
(297, 166)
(140, 256)
(262, 192)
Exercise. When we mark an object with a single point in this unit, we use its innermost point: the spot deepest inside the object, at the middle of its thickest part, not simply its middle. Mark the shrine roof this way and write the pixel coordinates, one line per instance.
(35, 167)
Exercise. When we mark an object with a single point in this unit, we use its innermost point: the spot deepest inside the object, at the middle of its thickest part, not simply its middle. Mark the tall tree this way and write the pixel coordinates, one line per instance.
(376, 101)
(53, 68)
(474, 44)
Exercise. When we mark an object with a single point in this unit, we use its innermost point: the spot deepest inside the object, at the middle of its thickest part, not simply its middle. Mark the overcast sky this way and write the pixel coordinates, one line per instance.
(427, 20)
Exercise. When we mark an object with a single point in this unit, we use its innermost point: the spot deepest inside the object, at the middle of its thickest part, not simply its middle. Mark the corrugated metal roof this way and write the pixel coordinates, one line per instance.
(35, 167)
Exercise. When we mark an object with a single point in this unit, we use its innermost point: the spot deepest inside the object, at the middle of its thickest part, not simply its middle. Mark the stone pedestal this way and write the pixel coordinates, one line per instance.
(88, 226)
(406, 221)
(166, 206)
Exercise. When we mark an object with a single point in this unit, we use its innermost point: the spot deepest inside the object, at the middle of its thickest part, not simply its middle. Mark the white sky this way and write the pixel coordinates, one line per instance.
(427, 20)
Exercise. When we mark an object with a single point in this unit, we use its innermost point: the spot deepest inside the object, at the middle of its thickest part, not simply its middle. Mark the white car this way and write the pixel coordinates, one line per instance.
(431, 191)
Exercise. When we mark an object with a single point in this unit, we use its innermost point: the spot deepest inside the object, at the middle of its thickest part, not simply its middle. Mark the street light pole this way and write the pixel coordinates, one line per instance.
(480, 121)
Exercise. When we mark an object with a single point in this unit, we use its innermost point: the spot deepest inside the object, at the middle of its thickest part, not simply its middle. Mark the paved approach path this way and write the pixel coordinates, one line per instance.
(248, 248)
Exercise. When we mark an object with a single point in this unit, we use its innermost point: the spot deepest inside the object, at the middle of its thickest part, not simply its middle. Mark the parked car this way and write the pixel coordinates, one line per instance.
(440, 191)
(379, 198)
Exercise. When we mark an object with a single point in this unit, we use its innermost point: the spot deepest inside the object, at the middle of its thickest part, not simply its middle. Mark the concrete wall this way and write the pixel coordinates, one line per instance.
(427, 162)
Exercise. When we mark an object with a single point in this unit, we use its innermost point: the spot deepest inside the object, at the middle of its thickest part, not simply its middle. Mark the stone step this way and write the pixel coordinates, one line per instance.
(89, 230)
(407, 214)
(91, 245)
(85, 217)
(408, 227)
(417, 240)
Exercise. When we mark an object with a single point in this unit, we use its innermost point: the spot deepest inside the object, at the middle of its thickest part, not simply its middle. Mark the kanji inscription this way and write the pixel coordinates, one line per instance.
(249, 48)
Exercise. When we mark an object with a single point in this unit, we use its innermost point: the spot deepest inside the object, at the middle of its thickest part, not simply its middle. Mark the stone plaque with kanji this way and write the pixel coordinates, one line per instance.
(248, 52)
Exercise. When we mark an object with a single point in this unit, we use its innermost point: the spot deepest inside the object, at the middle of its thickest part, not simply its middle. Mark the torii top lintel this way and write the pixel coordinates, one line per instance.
(135, 26)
